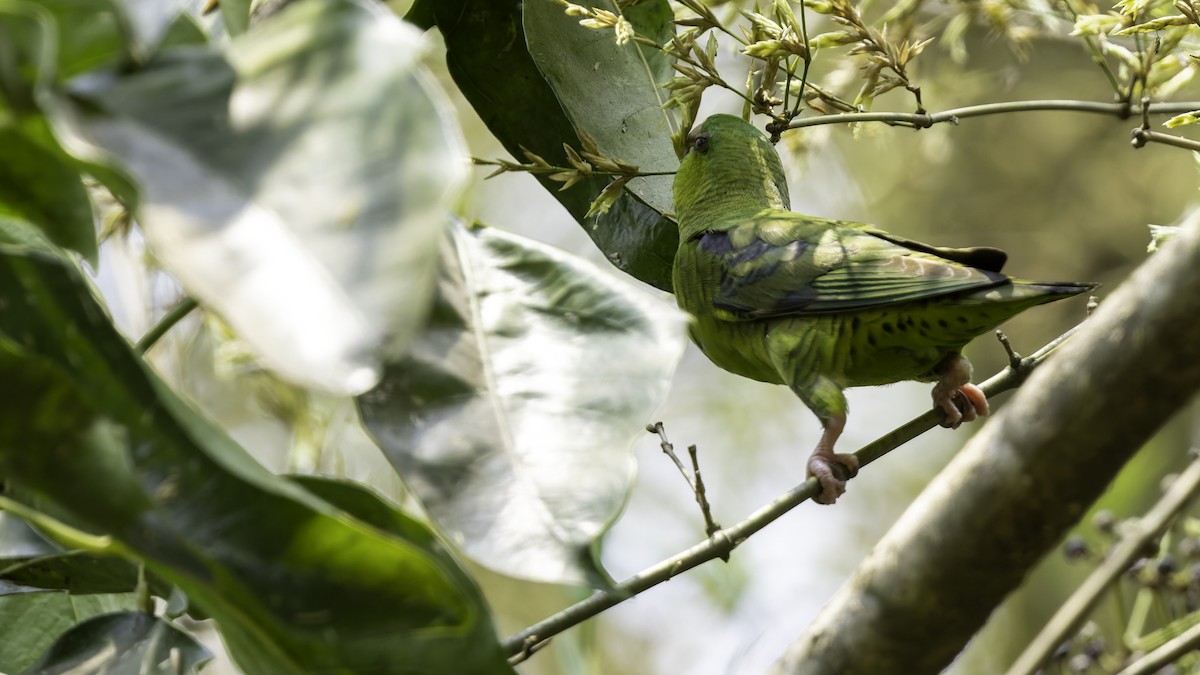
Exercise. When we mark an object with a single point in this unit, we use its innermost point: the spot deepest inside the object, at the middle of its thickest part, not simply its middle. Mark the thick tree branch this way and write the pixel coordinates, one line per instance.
(723, 541)
(1021, 483)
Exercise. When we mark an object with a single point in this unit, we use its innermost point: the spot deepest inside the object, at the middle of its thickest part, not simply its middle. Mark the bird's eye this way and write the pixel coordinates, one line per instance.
(700, 145)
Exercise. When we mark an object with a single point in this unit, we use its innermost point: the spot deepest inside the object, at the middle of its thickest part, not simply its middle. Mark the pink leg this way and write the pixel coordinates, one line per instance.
(956, 380)
(830, 468)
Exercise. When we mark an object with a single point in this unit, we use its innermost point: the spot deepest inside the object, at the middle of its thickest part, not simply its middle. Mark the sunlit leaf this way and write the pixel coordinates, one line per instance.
(89, 429)
(489, 60)
(512, 417)
(298, 190)
(127, 642)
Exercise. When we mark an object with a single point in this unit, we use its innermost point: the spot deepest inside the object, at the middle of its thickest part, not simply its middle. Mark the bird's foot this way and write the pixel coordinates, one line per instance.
(832, 470)
(955, 380)
(961, 404)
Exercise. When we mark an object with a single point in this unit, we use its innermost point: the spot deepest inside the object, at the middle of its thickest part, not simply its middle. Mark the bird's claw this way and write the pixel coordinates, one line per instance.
(961, 404)
(832, 471)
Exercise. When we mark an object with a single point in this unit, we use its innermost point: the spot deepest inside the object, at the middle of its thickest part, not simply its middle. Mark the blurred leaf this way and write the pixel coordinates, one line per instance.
(1159, 234)
(421, 14)
(513, 415)
(27, 53)
(612, 91)
(149, 21)
(40, 188)
(89, 35)
(235, 14)
(87, 427)
(33, 619)
(128, 642)
(301, 196)
(488, 59)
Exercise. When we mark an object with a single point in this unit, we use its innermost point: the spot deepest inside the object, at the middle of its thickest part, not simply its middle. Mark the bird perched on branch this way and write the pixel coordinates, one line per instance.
(822, 305)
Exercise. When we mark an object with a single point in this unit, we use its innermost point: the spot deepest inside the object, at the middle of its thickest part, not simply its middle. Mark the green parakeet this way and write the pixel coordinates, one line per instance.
(822, 305)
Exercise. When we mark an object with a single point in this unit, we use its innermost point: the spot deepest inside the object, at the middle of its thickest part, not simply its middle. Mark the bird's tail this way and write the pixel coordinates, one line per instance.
(1021, 294)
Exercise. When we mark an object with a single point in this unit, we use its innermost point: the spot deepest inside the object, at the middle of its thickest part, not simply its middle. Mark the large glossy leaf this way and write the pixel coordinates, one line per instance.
(612, 91)
(298, 189)
(126, 643)
(31, 620)
(488, 59)
(513, 415)
(294, 583)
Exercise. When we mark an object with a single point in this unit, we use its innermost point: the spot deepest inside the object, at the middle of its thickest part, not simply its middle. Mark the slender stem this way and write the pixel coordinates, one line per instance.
(63, 533)
(925, 120)
(1132, 546)
(165, 324)
(723, 541)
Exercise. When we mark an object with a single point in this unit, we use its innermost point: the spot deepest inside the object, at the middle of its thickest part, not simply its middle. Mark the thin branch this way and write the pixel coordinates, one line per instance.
(669, 450)
(1186, 642)
(695, 481)
(1071, 615)
(926, 120)
(1143, 136)
(723, 541)
(711, 527)
(165, 324)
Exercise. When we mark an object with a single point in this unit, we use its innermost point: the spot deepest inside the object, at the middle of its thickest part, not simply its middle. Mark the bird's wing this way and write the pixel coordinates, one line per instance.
(780, 263)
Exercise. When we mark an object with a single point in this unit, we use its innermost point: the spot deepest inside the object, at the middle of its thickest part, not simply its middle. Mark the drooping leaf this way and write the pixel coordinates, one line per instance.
(488, 58)
(609, 90)
(299, 189)
(31, 620)
(513, 415)
(126, 642)
(86, 427)
(40, 188)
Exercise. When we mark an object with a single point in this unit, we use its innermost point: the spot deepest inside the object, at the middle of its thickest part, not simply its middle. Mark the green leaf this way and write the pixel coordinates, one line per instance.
(86, 426)
(77, 573)
(1183, 120)
(300, 191)
(27, 45)
(512, 417)
(89, 35)
(488, 59)
(31, 620)
(611, 91)
(128, 642)
(38, 186)
(236, 16)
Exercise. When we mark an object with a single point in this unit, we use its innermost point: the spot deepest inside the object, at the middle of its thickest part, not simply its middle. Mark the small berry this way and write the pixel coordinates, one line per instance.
(1076, 548)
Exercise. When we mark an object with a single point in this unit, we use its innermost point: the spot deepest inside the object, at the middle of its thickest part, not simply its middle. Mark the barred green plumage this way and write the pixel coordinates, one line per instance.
(822, 305)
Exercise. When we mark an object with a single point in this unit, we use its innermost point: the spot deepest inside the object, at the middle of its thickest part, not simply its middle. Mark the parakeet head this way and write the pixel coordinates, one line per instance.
(730, 166)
